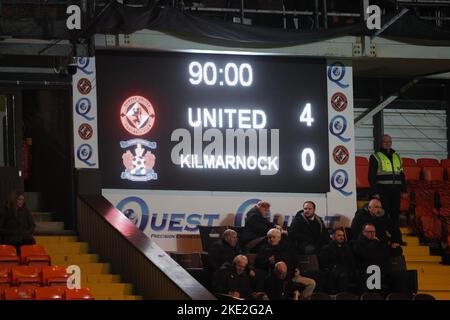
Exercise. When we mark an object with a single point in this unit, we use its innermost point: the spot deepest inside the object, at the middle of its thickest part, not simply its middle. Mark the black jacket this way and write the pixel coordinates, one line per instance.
(339, 258)
(370, 252)
(255, 226)
(373, 169)
(278, 289)
(383, 226)
(16, 226)
(281, 252)
(221, 252)
(304, 231)
(227, 280)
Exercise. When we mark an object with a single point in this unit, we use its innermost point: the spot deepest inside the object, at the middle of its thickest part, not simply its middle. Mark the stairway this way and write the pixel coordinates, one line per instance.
(433, 277)
(65, 249)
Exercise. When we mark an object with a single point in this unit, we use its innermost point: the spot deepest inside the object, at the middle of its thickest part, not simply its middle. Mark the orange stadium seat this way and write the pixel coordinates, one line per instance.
(5, 276)
(362, 177)
(409, 162)
(361, 161)
(54, 276)
(8, 256)
(50, 293)
(427, 162)
(433, 173)
(22, 293)
(411, 173)
(445, 163)
(26, 276)
(34, 255)
(79, 294)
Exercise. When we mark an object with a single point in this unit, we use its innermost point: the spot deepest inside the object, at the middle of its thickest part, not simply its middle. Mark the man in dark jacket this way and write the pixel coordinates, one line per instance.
(233, 279)
(256, 226)
(337, 260)
(278, 285)
(224, 250)
(386, 178)
(272, 251)
(307, 231)
(386, 231)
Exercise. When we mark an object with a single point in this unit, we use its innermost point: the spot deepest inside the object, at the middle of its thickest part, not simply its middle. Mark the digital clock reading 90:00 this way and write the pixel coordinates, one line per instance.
(231, 74)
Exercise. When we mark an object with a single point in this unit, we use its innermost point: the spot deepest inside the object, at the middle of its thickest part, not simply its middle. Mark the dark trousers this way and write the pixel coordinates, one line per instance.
(19, 244)
(390, 200)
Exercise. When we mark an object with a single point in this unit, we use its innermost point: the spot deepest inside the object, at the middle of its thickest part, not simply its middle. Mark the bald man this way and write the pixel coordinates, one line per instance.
(224, 250)
(386, 231)
(233, 279)
(387, 181)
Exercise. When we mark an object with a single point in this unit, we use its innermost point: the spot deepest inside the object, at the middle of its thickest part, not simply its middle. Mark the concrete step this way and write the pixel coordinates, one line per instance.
(69, 259)
(111, 289)
(423, 258)
(439, 295)
(434, 287)
(44, 240)
(43, 226)
(99, 278)
(405, 230)
(411, 241)
(94, 268)
(55, 233)
(416, 250)
(429, 268)
(42, 216)
(434, 278)
(67, 248)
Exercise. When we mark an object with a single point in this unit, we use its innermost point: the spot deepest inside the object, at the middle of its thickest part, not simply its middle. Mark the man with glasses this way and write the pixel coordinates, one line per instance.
(387, 181)
(386, 231)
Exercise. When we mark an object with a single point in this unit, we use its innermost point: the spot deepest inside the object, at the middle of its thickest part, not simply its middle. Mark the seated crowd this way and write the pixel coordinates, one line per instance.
(276, 273)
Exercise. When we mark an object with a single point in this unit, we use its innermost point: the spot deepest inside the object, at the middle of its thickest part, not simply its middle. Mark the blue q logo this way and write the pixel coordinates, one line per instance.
(83, 107)
(84, 154)
(124, 206)
(338, 125)
(243, 208)
(336, 72)
(339, 181)
(83, 64)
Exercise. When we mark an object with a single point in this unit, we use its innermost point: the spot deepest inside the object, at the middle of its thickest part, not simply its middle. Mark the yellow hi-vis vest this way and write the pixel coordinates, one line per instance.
(389, 172)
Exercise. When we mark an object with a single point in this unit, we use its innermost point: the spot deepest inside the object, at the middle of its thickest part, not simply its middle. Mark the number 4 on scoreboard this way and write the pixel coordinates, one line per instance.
(306, 115)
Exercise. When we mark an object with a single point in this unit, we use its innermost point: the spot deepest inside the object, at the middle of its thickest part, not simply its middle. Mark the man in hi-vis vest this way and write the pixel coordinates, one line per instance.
(387, 181)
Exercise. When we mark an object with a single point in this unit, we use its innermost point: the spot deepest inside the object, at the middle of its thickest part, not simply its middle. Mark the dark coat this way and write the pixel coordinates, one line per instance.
(370, 252)
(221, 252)
(256, 226)
(302, 231)
(281, 252)
(339, 258)
(16, 225)
(278, 289)
(383, 226)
(226, 280)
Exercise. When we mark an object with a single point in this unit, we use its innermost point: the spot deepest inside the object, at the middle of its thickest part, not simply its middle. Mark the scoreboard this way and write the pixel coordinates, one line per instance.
(216, 122)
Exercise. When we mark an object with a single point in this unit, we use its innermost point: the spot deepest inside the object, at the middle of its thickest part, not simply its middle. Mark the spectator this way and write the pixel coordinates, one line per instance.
(308, 232)
(17, 224)
(233, 279)
(308, 285)
(368, 251)
(272, 251)
(224, 250)
(386, 231)
(256, 226)
(387, 180)
(337, 260)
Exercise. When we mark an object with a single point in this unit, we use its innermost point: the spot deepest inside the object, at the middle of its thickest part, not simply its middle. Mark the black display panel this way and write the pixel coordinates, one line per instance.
(182, 121)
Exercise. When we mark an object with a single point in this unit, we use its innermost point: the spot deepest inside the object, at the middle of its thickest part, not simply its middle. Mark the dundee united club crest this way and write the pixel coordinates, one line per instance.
(137, 115)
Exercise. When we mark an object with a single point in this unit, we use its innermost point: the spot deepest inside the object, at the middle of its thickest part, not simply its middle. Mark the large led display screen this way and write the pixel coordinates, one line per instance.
(185, 121)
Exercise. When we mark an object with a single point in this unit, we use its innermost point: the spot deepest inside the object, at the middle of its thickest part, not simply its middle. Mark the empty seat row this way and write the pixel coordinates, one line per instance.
(44, 293)
(33, 276)
(31, 255)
